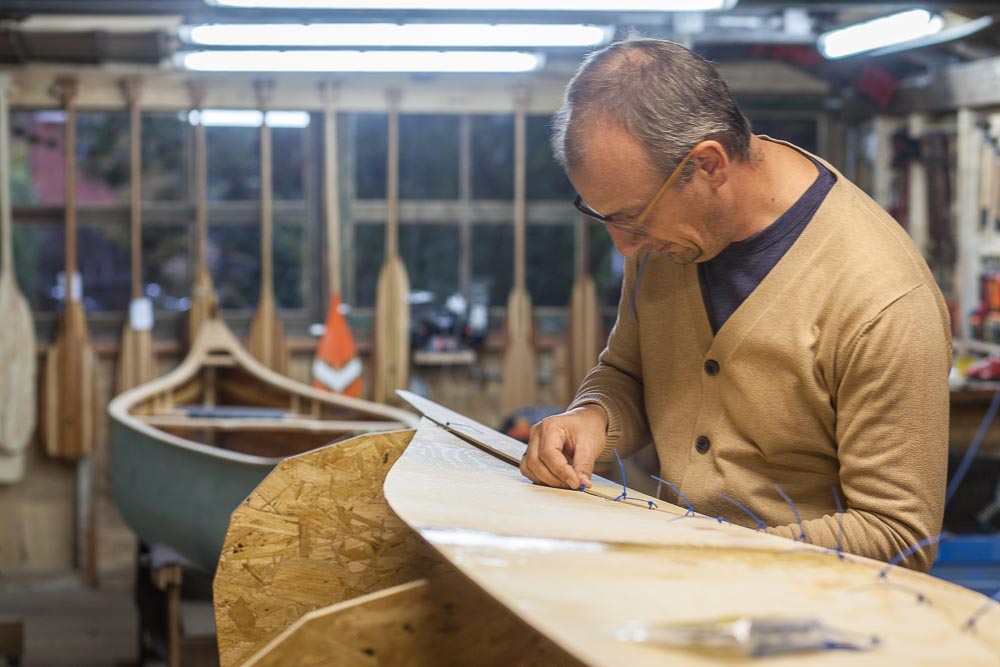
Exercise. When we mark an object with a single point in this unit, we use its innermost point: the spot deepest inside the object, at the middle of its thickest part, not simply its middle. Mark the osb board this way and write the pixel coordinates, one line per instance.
(575, 566)
(438, 622)
(315, 532)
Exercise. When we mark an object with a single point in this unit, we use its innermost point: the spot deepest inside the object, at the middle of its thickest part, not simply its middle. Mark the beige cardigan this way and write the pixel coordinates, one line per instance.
(833, 373)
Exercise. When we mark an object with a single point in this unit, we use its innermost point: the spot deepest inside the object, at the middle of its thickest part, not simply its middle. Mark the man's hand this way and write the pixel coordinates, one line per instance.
(562, 448)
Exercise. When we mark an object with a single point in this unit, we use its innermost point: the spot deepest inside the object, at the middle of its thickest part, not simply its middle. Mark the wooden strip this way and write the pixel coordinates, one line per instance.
(530, 547)
(266, 340)
(444, 620)
(331, 186)
(519, 363)
(392, 306)
(18, 372)
(315, 532)
(289, 424)
(204, 302)
(136, 361)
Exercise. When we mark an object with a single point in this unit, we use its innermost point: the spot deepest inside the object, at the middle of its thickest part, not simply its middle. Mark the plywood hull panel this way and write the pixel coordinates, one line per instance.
(575, 566)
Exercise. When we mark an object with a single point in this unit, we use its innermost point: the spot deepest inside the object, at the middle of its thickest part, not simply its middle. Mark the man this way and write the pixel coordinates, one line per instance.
(776, 327)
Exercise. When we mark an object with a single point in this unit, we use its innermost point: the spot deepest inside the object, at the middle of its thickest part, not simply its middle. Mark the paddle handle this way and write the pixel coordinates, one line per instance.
(264, 90)
(520, 157)
(331, 187)
(196, 92)
(392, 177)
(582, 246)
(65, 88)
(6, 225)
(132, 88)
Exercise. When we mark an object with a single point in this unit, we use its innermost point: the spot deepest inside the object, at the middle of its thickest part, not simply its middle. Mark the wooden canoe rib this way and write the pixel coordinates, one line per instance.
(189, 446)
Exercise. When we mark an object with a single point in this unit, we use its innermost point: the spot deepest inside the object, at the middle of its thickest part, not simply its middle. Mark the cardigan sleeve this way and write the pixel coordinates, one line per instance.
(616, 382)
(892, 404)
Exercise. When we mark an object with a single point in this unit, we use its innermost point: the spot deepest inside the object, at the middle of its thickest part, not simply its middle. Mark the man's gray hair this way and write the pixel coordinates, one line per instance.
(666, 96)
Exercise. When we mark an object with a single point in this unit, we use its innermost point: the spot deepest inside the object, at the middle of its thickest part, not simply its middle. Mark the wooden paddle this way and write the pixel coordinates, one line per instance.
(71, 407)
(392, 304)
(519, 353)
(17, 336)
(336, 367)
(204, 302)
(136, 362)
(585, 335)
(266, 340)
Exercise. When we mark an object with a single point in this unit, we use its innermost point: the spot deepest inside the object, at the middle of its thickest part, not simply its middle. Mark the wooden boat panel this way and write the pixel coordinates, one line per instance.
(575, 567)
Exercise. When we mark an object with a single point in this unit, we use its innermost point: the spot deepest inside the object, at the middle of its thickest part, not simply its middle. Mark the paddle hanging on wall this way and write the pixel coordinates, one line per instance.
(204, 302)
(337, 366)
(266, 340)
(137, 362)
(392, 305)
(71, 406)
(18, 372)
(519, 352)
(584, 328)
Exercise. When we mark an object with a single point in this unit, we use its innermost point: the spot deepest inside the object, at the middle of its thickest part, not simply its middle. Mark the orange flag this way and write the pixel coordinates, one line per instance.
(337, 367)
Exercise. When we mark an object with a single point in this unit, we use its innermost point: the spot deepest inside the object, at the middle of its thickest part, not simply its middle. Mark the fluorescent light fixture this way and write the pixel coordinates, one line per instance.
(248, 118)
(395, 35)
(492, 5)
(878, 33)
(361, 61)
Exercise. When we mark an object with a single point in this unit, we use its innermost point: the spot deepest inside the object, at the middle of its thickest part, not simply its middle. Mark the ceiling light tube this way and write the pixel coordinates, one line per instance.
(248, 118)
(879, 33)
(360, 61)
(491, 5)
(396, 35)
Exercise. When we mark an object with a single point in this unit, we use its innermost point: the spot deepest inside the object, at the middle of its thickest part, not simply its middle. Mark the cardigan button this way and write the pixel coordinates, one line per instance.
(712, 367)
(702, 444)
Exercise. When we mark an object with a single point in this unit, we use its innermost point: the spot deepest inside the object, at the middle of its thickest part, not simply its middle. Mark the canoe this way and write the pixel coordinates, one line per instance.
(189, 446)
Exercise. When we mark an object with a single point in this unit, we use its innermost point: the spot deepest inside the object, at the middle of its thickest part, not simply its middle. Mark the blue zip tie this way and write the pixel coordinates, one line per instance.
(691, 510)
(902, 555)
(795, 511)
(624, 494)
(760, 524)
(994, 601)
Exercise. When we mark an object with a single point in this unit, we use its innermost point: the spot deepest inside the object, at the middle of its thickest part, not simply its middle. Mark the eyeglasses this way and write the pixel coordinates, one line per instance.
(638, 227)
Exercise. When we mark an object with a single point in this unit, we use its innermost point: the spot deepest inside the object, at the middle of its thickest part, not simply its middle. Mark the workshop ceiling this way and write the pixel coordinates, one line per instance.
(145, 32)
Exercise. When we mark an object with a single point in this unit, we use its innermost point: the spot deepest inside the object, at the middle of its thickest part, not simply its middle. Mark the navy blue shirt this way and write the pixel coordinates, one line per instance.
(730, 277)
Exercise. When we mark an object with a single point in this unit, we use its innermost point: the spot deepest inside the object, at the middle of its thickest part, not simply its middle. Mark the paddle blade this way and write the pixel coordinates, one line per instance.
(18, 365)
(137, 362)
(266, 341)
(519, 363)
(392, 332)
(585, 332)
(71, 407)
(337, 367)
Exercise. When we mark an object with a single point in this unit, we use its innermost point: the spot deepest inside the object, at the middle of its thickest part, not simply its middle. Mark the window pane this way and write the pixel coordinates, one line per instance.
(166, 266)
(369, 251)
(493, 260)
(164, 167)
(288, 162)
(493, 157)
(103, 263)
(431, 255)
(233, 163)
(550, 253)
(370, 150)
(234, 261)
(606, 265)
(428, 156)
(546, 179)
(101, 156)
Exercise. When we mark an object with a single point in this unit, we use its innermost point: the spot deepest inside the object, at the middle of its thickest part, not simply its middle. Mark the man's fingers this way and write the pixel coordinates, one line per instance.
(552, 454)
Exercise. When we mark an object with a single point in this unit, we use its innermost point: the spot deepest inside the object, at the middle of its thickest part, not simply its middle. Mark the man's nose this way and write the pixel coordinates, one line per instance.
(625, 243)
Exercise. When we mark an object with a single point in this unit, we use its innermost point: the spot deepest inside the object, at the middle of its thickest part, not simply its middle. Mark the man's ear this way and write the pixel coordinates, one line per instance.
(712, 162)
